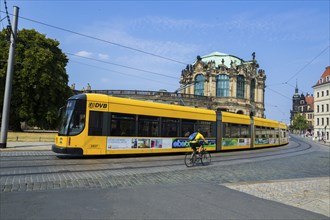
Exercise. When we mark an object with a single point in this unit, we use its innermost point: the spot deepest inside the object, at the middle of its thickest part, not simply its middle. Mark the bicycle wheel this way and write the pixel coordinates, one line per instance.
(190, 159)
(206, 158)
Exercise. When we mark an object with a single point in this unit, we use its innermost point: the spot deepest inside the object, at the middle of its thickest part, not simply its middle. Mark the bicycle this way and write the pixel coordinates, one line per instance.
(191, 159)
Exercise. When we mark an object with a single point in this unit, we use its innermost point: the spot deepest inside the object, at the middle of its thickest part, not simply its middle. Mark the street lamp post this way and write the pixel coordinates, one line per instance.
(9, 78)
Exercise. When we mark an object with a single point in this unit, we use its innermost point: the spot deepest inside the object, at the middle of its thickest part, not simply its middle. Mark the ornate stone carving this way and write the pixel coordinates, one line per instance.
(216, 66)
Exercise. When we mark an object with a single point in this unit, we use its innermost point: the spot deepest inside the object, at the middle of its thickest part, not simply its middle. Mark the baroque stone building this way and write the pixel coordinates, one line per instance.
(232, 84)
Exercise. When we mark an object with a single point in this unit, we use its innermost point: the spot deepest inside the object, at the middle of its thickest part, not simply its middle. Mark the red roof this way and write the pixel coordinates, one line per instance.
(325, 76)
(310, 101)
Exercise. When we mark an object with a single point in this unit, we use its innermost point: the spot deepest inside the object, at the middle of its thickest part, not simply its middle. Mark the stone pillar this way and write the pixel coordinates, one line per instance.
(191, 89)
(206, 84)
(232, 85)
(258, 92)
(247, 89)
(214, 83)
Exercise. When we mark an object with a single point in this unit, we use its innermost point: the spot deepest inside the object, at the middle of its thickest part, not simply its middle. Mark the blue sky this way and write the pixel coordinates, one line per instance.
(290, 39)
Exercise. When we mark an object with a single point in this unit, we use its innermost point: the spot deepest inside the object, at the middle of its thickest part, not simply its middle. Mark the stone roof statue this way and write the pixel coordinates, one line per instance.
(254, 55)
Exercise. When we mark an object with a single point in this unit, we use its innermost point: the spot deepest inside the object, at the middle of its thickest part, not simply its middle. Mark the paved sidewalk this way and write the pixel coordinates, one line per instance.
(28, 146)
(310, 140)
(311, 194)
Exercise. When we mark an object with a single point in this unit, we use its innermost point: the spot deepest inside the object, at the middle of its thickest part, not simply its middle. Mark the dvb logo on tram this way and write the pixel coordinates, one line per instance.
(98, 105)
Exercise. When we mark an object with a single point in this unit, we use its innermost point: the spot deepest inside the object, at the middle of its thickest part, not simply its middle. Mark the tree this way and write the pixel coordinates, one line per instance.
(40, 82)
(299, 122)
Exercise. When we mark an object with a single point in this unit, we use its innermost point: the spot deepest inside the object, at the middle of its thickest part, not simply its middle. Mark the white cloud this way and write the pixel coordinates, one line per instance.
(84, 53)
(103, 56)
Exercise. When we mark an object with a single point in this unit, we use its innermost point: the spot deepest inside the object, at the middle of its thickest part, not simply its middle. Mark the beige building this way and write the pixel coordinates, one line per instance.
(303, 105)
(231, 83)
(322, 107)
(308, 110)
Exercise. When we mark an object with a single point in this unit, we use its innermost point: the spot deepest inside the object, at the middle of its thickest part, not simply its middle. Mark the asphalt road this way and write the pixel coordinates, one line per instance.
(39, 185)
(175, 201)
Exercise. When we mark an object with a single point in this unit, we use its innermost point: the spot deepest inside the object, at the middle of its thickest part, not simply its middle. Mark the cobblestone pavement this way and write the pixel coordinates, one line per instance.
(312, 194)
(301, 180)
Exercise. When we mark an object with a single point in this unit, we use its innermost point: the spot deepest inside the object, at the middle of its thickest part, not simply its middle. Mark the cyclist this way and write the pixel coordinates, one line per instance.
(195, 139)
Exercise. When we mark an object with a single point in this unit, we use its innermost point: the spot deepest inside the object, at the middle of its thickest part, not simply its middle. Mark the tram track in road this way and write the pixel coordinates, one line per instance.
(287, 151)
(141, 163)
(71, 160)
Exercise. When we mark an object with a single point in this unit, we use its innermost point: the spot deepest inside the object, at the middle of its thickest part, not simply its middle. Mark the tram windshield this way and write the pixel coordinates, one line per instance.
(72, 118)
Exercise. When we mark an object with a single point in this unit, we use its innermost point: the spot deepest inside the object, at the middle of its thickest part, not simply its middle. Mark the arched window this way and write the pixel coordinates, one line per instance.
(222, 85)
(240, 112)
(252, 89)
(199, 85)
(240, 87)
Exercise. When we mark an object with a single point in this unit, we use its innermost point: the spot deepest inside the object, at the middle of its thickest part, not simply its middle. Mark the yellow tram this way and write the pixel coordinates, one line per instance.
(97, 124)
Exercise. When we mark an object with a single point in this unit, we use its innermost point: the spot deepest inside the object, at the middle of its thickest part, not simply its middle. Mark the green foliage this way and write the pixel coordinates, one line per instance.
(40, 82)
(299, 122)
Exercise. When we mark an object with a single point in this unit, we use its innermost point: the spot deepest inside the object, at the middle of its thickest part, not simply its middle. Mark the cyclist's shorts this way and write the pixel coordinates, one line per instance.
(194, 145)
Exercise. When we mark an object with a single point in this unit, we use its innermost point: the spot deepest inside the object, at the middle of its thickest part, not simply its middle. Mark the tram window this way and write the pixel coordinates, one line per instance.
(207, 128)
(226, 130)
(75, 113)
(98, 123)
(263, 132)
(245, 132)
(270, 132)
(267, 132)
(170, 127)
(284, 134)
(234, 131)
(148, 126)
(188, 127)
(77, 123)
(123, 124)
(259, 132)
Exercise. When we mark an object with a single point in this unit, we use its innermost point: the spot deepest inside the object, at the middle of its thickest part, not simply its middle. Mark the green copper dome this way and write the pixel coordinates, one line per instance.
(218, 58)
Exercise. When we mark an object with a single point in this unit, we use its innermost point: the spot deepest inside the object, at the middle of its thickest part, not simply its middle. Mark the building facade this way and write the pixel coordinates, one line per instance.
(232, 84)
(216, 81)
(303, 105)
(322, 107)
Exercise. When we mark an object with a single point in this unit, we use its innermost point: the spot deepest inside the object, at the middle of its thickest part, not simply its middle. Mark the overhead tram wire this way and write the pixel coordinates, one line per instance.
(325, 49)
(278, 93)
(102, 40)
(276, 106)
(127, 74)
(298, 72)
(7, 14)
(276, 84)
(8, 19)
(1, 19)
(115, 64)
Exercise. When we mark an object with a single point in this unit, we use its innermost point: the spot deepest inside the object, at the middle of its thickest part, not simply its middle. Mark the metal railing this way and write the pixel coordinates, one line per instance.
(144, 93)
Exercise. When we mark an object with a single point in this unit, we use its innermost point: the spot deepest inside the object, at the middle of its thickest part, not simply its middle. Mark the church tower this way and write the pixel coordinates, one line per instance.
(295, 103)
